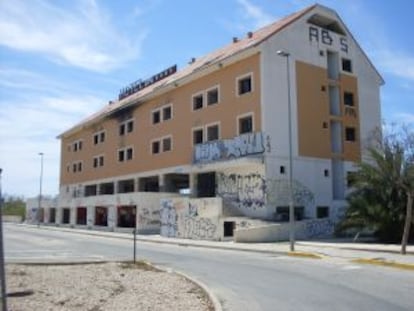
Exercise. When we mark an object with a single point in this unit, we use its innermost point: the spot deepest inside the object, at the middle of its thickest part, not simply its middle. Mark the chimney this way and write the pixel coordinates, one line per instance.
(249, 34)
(192, 60)
(235, 39)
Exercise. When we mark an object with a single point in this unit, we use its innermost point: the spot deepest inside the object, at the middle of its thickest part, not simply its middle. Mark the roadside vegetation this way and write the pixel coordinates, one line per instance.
(382, 200)
(14, 206)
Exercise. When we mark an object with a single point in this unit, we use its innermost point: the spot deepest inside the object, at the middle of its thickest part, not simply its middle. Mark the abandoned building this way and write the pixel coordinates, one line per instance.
(203, 152)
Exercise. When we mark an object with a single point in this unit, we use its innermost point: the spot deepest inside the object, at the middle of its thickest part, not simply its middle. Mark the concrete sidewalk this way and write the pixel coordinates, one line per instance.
(369, 253)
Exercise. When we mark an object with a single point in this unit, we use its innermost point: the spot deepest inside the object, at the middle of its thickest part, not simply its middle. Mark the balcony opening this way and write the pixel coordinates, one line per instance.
(125, 186)
(101, 216)
(106, 188)
(90, 190)
(81, 213)
(65, 215)
(149, 184)
(176, 182)
(206, 185)
(127, 216)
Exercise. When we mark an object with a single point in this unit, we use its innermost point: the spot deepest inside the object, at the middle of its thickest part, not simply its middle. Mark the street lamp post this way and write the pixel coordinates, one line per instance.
(291, 206)
(2, 272)
(40, 187)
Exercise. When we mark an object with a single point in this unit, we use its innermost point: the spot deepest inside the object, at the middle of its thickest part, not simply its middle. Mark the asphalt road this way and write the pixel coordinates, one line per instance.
(241, 281)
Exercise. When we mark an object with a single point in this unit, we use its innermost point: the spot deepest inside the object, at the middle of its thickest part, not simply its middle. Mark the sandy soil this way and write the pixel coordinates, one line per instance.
(100, 287)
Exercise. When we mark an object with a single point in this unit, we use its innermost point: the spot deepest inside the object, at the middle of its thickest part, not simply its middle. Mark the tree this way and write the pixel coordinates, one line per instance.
(384, 188)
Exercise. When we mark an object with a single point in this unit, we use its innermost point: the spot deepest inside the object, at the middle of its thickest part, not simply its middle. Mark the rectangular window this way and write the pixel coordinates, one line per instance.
(244, 85)
(282, 170)
(121, 155)
(122, 129)
(197, 101)
(95, 162)
(101, 161)
(77, 145)
(166, 144)
(126, 127)
(166, 113)
(197, 136)
(99, 137)
(155, 147)
(156, 117)
(348, 99)
(129, 154)
(79, 166)
(350, 134)
(246, 125)
(74, 167)
(213, 132)
(346, 65)
(322, 212)
(98, 161)
(212, 96)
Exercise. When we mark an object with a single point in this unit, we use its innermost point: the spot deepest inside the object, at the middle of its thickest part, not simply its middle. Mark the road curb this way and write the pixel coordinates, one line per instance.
(383, 262)
(211, 296)
(305, 255)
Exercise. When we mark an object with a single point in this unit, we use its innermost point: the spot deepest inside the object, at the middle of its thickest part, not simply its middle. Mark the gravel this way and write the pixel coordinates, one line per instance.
(101, 287)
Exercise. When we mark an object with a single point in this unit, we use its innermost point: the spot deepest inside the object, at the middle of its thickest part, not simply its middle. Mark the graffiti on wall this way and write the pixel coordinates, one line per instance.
(168, 218)
(240, 146)
(147, 217)
(198, 228)
(279, 190)
(242, 191)
(186, 218)
(319, 227)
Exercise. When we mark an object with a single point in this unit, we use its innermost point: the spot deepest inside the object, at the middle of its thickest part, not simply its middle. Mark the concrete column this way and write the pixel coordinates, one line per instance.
(193, 185)
(161, 183)
(112, 217)
(90, 216)
(73, 215)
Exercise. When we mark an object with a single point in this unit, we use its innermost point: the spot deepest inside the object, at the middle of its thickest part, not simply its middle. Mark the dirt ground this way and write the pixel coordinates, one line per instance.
(101, 287)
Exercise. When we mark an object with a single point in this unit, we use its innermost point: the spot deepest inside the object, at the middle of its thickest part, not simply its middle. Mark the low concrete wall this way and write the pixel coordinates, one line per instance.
(280, 232)
(198, 219)
(12, 218)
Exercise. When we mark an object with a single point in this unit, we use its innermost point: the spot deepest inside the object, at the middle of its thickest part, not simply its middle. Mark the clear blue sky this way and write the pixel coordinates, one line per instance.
(62, 60)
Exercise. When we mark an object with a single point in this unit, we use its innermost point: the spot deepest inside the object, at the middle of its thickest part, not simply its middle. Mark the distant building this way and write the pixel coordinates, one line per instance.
(203, 151)
(45, 214)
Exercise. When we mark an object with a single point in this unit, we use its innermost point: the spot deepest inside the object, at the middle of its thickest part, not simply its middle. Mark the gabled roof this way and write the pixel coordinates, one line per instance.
(218, 56)
(199, 64)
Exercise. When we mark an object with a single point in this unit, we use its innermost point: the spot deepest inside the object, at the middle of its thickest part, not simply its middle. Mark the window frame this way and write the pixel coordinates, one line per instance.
(126, 127)
(349, 128)
(207, 91)
(193, 97)
(210, 125)
(196, 129)
(163, 108)
(243, 77)
(169, 137)
(245, 116)
(155, 142)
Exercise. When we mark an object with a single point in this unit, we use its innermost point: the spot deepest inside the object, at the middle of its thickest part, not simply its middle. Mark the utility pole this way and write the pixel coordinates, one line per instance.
(39, 214)
(2, 269)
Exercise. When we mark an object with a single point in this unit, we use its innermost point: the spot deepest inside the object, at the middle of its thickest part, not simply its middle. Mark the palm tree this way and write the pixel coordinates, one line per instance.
(384, 189)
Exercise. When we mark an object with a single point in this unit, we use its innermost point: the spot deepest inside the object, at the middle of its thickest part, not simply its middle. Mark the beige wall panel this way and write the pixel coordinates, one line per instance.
(313, 111)
(179, 127)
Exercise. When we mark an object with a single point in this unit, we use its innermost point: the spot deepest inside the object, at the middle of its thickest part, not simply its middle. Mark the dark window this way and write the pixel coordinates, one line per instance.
(213, 132)
(346, 65)
(80, 145)
(212, 97)
(106, 188)
(101, 161)
(246, 125)
(122, 129)
(130, 126)
(155, 147)
(74, 167)
(350, 134)
(95, 139)
(121, 155)
(166, 113)
(198, 136)
(326, 173)
(198, 102)
(166, 144)
(95, 162)
(282, 170)
(245, 85)
(79, 166)
(75, 146)
(322, 212)
(102, 137)
(348, 99)
(156, 117)
(129, 153)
